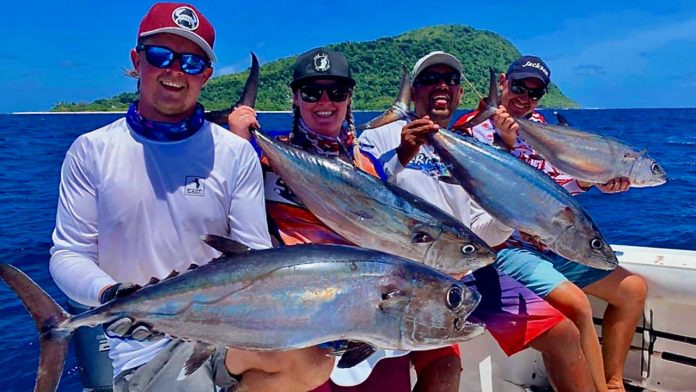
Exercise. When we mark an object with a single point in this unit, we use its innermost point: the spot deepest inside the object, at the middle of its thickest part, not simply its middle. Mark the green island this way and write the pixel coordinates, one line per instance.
(376, 65)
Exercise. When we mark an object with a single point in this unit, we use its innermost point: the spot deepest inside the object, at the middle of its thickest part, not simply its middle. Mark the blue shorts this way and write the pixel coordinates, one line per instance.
(543, 272)
(512, 313)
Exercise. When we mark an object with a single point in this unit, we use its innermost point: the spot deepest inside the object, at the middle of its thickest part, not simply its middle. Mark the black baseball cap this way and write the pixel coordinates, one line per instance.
(529, 67)
(321, 63)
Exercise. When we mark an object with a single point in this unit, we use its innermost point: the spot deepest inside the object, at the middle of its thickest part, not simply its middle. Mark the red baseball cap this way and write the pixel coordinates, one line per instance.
(181, 19)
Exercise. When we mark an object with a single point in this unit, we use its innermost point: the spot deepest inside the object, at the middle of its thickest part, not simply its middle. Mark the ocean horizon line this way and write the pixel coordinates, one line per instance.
(355, 110)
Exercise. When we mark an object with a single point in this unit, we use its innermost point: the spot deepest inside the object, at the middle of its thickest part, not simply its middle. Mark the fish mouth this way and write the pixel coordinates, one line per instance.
(607, 261)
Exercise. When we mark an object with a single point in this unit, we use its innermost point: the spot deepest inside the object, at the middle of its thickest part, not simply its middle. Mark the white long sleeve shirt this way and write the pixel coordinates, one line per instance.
(426, 176)
(131, 208)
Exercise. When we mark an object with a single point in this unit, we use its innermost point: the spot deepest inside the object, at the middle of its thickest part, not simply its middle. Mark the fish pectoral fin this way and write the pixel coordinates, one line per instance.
(421, 237)
(225, 245)
(201, 353)
(394, 302)
(632, 155)
(355, 353)
(362, 215)
(565, 218)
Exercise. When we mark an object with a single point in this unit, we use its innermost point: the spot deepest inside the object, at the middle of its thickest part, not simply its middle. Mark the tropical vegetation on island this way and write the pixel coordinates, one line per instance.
(376, 65)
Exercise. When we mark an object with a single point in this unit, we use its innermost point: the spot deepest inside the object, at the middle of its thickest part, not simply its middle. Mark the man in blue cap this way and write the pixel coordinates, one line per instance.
(563, 283)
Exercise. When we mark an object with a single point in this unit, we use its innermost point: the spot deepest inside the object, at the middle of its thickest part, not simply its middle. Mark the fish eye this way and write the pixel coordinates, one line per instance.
(455, 297)
(596, 243)
(468, 249)
(655, 168)
(459, 323)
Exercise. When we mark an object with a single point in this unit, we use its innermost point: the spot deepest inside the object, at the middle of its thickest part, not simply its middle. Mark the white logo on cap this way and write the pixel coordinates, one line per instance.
(321, 62)
(185, 18)
(537, 66)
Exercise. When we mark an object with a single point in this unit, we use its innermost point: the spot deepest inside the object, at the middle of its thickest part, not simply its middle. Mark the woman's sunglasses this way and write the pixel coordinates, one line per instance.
(311, 93)
(161, 57)
(431, 78)
(535, 94)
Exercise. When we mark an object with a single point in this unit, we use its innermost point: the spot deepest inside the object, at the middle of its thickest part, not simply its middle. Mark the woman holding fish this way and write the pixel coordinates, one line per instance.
(322, 89)
(525, 82)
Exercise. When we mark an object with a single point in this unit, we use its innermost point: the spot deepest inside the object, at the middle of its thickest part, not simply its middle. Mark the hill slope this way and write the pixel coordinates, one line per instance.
(376, 66)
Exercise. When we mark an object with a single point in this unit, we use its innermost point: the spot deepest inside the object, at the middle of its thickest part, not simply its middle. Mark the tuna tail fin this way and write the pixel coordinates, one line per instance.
(398, 111)
(247, 98)
(489, 105)
(47, 315)
(561, 120)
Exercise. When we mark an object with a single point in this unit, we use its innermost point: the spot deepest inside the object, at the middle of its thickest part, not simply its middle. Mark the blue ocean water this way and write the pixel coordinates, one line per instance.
(32, 148)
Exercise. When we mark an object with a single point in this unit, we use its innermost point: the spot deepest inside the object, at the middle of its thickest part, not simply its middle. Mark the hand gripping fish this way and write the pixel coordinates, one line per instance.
(583, 155)
(513, 192)
(274, 299)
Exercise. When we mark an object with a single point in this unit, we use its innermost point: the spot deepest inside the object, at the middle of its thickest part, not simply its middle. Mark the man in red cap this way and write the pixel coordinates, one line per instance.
(137, 195)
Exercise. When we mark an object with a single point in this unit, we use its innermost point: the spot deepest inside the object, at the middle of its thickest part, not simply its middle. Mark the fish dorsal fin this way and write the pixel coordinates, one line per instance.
(633, 155)
(225, 245)
(354, 354)
(201, 353)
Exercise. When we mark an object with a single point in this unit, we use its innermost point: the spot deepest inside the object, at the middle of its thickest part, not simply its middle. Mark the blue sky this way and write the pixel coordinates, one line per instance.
(604, 54)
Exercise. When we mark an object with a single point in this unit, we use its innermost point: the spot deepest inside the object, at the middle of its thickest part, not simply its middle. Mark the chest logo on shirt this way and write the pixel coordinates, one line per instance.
(195, 186)
(429, 165)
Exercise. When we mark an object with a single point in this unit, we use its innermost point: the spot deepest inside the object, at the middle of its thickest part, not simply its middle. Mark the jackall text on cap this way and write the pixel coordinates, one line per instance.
(321, 63)
(181, 19)
(529, 67)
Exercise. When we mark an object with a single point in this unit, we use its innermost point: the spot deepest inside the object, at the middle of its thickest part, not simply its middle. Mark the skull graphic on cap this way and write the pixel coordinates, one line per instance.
(185, 18)
(321, 62)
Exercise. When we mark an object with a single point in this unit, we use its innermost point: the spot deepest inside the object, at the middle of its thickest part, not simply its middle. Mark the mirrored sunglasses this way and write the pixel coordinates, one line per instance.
(161, 57)
(336, 92)
(535, 94)
(431, 78)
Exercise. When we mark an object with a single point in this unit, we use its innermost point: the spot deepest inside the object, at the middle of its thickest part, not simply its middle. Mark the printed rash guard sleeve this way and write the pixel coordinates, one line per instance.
(74, 253)
(489, 229)
(374, 145)
(247, 213)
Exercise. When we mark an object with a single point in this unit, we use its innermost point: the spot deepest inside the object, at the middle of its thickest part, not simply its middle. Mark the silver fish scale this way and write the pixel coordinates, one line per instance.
(589, 157)
(298, 296)
(515, 193)
(374, 214)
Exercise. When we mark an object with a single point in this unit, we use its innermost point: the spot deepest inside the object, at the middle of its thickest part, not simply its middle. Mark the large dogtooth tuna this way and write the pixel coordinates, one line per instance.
(274, 299)
(583, 155)
(513, 192)
(375, 214)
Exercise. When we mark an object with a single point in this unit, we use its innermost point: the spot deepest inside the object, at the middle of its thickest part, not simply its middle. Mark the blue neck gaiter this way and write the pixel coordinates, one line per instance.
(161, 131)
